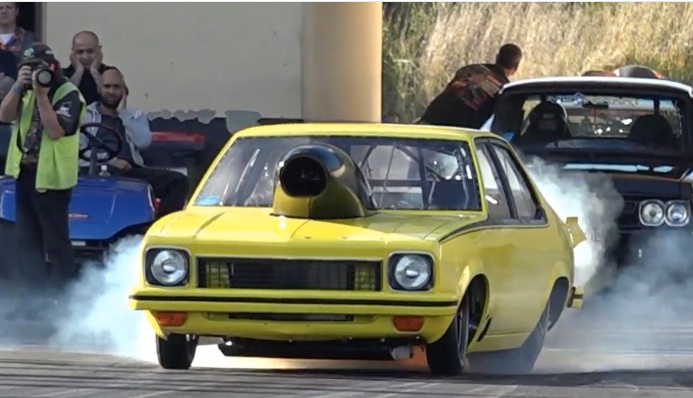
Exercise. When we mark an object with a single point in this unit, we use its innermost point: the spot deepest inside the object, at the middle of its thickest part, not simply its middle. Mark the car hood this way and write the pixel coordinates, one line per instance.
(257, 225)
(646, 177)
(647, 185)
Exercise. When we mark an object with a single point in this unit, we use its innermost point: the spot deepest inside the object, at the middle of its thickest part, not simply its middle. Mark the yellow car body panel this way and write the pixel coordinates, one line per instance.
(518, 263)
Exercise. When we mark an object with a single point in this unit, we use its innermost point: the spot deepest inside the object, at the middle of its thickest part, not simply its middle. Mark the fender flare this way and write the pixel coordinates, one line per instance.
(558, 271)
(473, 269)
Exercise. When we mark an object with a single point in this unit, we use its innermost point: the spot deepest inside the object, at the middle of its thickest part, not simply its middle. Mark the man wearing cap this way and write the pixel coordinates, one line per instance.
(42, 157)
(469, 99)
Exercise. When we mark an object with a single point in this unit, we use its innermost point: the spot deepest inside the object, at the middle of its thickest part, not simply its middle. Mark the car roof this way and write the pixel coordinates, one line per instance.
(419, 131)
(618, 83)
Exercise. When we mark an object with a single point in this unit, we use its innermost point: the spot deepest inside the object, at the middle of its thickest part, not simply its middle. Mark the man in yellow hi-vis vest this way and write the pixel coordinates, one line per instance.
(46, 110)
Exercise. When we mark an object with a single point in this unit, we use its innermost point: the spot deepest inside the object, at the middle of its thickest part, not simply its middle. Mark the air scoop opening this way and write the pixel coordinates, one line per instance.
(303, 176)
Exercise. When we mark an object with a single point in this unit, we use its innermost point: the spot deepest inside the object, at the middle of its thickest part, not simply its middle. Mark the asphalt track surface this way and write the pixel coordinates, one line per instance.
(577, 362)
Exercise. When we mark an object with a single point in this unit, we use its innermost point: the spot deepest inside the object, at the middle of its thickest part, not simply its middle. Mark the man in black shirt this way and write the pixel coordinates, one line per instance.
(469, 99)
(86, 65)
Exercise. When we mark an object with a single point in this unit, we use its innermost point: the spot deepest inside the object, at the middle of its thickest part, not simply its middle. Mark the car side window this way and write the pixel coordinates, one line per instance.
(495, 197)
(520, 188)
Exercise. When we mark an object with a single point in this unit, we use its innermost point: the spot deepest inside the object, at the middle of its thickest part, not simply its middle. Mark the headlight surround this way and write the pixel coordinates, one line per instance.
(410, 271)
(652, 213)
(167, 267)
(674, 213)
(678, 213)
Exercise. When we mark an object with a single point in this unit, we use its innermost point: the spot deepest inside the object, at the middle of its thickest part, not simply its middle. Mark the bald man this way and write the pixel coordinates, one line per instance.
(86, 64)
(170, 187)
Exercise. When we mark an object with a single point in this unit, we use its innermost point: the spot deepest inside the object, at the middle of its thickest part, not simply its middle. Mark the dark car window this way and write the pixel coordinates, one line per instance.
(629, 124)
(414, 174)
(494, 194)
(520, 188)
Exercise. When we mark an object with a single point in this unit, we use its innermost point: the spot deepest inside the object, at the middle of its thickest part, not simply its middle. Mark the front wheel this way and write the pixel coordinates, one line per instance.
(448, 355)
(177, 352)
(520, 360)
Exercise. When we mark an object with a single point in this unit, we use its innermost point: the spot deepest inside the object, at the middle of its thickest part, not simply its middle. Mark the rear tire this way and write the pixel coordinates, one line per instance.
(448, 355)
(520, 360)
(177, 352)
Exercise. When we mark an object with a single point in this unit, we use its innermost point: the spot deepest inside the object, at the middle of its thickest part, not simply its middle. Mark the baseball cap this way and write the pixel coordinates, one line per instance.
(37, 52)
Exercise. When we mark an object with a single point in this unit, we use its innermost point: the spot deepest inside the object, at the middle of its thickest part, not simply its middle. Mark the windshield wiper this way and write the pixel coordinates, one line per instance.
(593, 105)
(599, 152)
(621, 167)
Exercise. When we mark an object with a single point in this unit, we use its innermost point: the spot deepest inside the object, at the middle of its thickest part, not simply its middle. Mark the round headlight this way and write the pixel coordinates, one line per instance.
(652, 213)
(169, 267)
(678, 213)
(412, 272)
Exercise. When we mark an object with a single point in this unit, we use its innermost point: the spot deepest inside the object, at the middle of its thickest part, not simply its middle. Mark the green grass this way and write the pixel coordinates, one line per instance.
(424, 43)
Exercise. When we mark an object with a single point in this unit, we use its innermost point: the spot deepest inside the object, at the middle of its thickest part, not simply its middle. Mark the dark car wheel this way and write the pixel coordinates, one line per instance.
(448, 355)
(177, 352)
(520, 360)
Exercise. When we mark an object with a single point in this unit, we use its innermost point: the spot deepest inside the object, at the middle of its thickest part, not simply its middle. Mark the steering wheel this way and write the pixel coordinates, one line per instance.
(96, 144)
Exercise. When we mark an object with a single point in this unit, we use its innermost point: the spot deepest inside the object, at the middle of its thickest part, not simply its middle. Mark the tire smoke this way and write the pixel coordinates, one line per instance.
(98, 316)
(641, 307)
(593, 199)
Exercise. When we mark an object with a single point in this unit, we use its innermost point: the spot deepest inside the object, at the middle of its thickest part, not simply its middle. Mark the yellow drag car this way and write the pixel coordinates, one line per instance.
(361, 241)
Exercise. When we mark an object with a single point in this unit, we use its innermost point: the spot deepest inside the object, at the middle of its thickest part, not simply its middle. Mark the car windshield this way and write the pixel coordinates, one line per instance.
(414, 174)
(600, 123)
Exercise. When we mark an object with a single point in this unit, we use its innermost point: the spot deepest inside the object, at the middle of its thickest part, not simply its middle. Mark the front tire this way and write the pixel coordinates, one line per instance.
(177, 352)
(448, 355)
(519, 360)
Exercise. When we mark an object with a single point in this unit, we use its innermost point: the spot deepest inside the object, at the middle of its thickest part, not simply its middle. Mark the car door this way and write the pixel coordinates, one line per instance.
(498, 246)
(536, 253)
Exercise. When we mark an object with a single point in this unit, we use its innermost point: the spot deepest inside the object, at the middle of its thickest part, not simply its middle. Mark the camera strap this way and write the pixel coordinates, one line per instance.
(19, 127)
(20, 146)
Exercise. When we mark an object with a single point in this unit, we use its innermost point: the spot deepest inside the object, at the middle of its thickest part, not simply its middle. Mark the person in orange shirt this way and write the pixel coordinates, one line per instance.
(469, 99)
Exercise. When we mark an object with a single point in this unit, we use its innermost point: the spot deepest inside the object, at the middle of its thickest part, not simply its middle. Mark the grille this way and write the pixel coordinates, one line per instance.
(232, 273)
(630, 206)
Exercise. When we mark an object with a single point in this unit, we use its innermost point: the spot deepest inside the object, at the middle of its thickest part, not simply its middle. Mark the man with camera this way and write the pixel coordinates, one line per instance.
(46, 110)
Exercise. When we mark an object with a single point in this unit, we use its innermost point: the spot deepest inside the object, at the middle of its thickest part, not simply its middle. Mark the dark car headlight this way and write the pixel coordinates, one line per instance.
(167, 267)
(652, 213)
(678, 213)
(410, 271)
(674, 213)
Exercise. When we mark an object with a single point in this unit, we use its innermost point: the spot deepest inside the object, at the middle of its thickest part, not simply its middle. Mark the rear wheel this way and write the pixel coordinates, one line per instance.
(520, 360)
(448, 355)
(177, 352)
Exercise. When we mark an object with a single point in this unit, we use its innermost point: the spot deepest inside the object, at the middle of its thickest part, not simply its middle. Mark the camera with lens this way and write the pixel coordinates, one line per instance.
(44, 76)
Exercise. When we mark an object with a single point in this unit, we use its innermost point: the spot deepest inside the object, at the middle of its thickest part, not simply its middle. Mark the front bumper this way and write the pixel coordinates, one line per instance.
(635, 246)
(284, 316)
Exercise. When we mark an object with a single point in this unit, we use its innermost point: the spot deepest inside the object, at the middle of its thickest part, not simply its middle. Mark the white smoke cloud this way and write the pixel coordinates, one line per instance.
(592, 198)
(643, 298)
(98, 316)
(641, 307)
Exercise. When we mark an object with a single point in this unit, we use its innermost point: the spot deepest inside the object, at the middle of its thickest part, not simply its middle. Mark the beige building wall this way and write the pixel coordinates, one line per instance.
(194, 56)
(319, 61)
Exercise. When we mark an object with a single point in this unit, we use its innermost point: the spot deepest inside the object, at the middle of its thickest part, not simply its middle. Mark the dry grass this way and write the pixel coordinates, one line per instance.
(557, 39)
